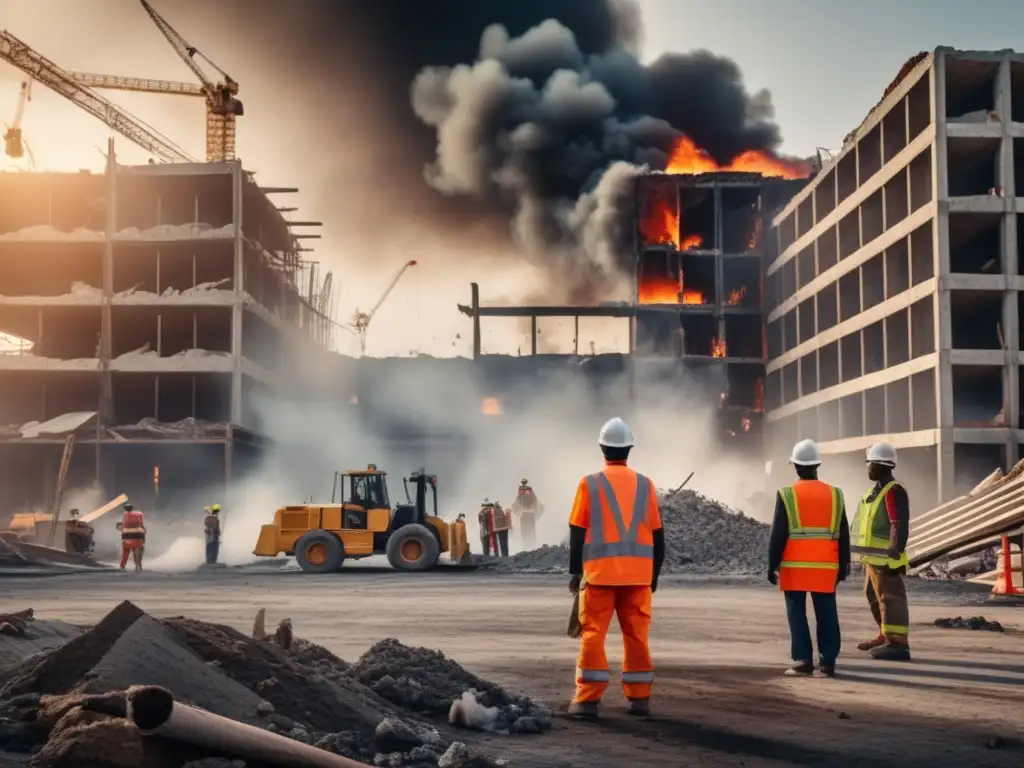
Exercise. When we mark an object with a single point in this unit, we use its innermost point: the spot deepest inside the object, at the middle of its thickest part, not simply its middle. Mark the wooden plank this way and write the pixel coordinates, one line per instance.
(62, 478)
(100, 511)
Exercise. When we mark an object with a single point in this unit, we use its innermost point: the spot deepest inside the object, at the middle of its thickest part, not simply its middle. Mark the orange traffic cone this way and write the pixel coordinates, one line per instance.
(1005, 590)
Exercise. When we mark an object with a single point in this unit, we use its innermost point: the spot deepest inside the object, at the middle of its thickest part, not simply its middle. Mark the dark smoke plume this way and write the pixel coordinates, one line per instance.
(557, 133)
(534, 112)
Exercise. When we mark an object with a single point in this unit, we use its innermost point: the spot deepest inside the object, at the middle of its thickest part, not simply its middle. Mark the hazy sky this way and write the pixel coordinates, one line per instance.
(825, 62)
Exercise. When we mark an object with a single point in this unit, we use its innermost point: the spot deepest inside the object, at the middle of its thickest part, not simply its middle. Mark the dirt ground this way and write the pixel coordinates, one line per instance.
(719, 647)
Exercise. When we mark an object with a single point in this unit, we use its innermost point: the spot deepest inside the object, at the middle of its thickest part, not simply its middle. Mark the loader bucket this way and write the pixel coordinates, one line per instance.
(458, 542)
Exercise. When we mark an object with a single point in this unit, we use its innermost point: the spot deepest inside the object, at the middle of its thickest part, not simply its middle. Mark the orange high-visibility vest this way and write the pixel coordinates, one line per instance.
(810, 561)
(619, 547)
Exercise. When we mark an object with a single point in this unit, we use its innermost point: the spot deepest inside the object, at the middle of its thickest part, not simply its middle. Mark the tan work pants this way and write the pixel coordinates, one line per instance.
(887, 597)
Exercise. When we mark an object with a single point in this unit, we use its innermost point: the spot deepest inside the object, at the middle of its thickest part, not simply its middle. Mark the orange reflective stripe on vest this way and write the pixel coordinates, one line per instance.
(810, 561)
(619, 548)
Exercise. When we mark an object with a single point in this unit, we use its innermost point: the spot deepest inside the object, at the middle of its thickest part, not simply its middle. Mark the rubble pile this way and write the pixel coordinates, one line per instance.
(67, 706)
(427, 681)
(702, 536)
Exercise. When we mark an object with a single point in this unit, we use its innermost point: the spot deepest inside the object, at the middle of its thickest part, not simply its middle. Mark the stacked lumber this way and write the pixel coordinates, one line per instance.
(972, 522)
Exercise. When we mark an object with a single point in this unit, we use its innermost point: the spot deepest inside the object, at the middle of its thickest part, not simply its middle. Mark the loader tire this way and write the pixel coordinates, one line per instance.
(413, 547)
(319, 552)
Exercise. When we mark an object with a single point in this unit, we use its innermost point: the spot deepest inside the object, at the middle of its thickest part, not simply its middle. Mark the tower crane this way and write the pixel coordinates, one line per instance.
(14, 143)
(221, 105)
(42, 70)
(361, 320)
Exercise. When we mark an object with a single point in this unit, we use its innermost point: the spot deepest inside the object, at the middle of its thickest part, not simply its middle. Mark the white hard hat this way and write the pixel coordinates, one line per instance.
(615, 434)
(805, 454)
(882, 453)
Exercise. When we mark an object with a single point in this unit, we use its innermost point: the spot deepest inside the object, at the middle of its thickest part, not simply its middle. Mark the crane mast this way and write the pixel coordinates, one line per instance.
(42, 70)
(221, 105)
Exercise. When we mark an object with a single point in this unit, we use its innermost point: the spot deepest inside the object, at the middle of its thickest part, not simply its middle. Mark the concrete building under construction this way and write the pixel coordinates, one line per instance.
(147, 305)
(895, 297)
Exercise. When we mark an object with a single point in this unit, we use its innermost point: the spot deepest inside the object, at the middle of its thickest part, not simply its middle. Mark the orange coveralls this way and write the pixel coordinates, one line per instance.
(619, 509)
(133, 537)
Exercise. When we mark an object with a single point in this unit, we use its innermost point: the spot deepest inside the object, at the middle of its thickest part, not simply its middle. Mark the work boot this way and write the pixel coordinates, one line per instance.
(870, 645)
(800, 669)
(892, 652)
(639, 708)
(584, 710)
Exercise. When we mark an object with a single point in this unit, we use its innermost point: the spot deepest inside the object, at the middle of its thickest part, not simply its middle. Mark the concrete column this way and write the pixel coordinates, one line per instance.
(940, 246)
(474, 290)
(106, 406)
(237, 188)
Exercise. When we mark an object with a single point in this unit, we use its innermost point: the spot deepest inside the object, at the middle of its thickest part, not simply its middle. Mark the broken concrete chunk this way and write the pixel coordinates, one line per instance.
(110, 742)
(393, 735)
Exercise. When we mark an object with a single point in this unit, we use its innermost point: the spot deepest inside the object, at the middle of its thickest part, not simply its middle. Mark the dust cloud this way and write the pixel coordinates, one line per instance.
(548, 436)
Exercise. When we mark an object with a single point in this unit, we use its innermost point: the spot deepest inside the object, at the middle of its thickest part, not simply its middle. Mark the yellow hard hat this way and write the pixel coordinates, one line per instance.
(215, 508)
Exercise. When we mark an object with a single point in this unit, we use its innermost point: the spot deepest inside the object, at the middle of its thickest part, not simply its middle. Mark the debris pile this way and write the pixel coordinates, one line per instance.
(974, 623)
(427, 681)
(67, 706)
(702, 536)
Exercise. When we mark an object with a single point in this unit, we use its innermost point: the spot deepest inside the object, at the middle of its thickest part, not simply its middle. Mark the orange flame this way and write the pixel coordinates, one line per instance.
(491, 406)
(666, 290)
(687, 157)
(759, 396)
(659, 224)
(718, 347)
(757, 236)
(691, 241)
(736, 296)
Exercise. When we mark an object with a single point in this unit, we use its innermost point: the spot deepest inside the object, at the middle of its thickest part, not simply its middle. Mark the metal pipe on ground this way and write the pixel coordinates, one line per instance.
(155, 713)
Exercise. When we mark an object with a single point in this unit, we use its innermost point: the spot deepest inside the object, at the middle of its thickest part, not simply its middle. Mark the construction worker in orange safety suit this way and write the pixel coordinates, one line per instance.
(133, 536)
(616, 549)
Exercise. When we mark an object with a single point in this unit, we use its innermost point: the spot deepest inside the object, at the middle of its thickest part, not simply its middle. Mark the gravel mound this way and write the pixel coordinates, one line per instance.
(427, 681)
(701, 537)
(397, 706)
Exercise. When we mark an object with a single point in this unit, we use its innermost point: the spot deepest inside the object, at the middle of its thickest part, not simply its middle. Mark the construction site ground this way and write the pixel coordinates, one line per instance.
(720, 647)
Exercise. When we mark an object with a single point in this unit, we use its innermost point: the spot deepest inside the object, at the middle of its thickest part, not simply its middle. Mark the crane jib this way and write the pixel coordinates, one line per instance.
(44, 71)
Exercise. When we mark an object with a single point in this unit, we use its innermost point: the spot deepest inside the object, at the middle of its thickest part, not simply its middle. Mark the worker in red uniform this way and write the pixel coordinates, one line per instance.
(809, 551)
(133, 536)
(881, 544)
(616, 549)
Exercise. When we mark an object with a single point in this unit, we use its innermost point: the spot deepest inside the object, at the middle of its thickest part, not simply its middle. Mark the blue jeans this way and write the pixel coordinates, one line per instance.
(826, 616)
(212, 550)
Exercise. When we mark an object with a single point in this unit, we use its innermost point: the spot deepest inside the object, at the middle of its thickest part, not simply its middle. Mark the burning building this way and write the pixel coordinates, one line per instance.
(697, 311)
(701, 253)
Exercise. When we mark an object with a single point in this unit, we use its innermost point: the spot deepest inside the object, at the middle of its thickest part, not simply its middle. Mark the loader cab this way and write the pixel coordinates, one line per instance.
(363, 495)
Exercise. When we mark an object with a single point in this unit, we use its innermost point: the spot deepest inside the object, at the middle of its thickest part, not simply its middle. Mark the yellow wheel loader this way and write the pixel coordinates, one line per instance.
(362, 523)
